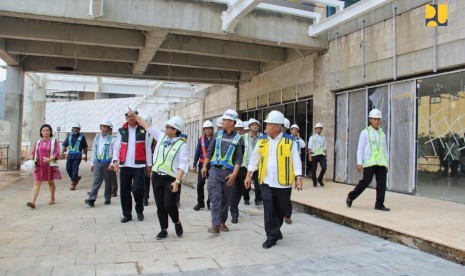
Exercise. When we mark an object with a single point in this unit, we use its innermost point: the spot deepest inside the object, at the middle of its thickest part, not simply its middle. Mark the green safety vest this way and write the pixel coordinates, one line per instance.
(317, 149)
(248, 148)
(164, 161)
(378, 156)
(106, 155)
(75, 149)
(226, 160)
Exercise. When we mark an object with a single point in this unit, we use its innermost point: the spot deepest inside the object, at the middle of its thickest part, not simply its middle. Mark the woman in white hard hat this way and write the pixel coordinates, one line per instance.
(45, 153)
(170, 163)
(372, 160)
(102, 153)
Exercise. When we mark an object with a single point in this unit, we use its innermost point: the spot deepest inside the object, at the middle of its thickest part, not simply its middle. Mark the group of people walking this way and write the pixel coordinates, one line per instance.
(227, 160)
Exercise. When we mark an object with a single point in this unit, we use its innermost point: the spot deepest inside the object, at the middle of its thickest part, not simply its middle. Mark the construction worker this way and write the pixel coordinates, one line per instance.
(277, 159)
(373, 160)
(101, 159)
(219, 124)
(225, 153)
(317, 154)
(240, 127)
(295, 133)
(199, 159)
(152, 142)
(75, 144)
(171, 162)
(132, 157)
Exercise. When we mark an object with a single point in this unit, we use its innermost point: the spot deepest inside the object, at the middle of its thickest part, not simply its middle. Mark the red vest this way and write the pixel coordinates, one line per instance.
(140, 144)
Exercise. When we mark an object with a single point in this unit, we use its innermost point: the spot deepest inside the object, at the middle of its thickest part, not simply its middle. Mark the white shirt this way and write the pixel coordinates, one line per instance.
(271, 176)
(364, 148)
(181, 161)
(101, 146)
(321, 140)
(131, 150)
(302, 143)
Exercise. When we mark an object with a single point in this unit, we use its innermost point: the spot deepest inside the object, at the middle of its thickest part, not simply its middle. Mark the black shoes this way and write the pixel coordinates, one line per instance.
(382, 208)
(199, 206)
(107, 202)
(234, 220)
(89, 202)
(115, 195)
(349, 202)
(288, 220)
(269, 243)
(146, 202)
(179, 230)
(140, 216)
(315, 185)
(162, 235)
(321, 183)
(125, 219)
(247, 202)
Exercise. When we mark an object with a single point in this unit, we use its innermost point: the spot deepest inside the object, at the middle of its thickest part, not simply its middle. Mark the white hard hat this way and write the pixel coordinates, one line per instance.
(375, 113)
(275, 117)
(239, 123)
(76, 125)
(176, 122)
(219, 122)
(133, 108)
(207, 123)
(252, 120)
(295, 126)
(287, 123)
(148, 118)
(318, 125)
(28, 166)
(106, 122)
(230, 114)
(246, 125)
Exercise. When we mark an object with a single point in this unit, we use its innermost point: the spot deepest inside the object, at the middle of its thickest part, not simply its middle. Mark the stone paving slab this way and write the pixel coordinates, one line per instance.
(70, 238)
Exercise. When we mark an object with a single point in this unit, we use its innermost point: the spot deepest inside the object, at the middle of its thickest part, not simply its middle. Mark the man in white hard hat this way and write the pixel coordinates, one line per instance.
(240, 127)
(76, 145)
(101, 160)
(373, 160)
(286, 125)
(250, 140)
(132, 158)
(219, 124)
(317, 154)
(199, 159)
(152, 142)
(277, 159)
(225, 154)
(170, 163)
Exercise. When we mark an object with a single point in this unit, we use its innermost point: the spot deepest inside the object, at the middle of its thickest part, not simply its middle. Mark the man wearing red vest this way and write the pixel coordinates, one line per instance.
(199, 158)
(132, 154)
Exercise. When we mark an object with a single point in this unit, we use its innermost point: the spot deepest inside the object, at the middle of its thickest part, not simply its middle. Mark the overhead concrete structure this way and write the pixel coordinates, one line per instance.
(164, 40)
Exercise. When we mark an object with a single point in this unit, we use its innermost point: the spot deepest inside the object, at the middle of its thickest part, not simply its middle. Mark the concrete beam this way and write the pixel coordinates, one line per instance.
(178, 16)
(161, 72)
(153, 40)
(355, 11)
(235, 12)
(55, 49)
(205, 62)
(7, 57)
(222, 48)
(70, 33)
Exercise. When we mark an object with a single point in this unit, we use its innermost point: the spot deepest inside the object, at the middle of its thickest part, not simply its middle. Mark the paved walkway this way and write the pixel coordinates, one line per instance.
(71, 238)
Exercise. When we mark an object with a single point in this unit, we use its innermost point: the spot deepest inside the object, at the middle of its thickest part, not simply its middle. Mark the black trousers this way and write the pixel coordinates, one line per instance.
(165, 199)
(237, 192)
(72, 168)
(147, 188)
(132, 180)
(256, 186)
(113, 181)
(275, 203)
(200, 185)
(318, 159)
(380, 173)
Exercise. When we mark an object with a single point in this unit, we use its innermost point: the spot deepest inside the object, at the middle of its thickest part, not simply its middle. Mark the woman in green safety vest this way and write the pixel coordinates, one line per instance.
(372, 159)
(170, 163)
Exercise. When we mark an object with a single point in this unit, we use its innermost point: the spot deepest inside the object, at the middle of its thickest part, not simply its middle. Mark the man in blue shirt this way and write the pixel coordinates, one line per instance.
(75, 144)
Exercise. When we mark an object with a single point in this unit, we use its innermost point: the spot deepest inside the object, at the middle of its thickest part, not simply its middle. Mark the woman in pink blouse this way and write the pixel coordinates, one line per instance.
(45, 158)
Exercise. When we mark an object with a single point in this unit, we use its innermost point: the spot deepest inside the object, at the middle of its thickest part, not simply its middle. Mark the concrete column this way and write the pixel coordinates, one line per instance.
(38, 112)
(323, 107)
(14, 115)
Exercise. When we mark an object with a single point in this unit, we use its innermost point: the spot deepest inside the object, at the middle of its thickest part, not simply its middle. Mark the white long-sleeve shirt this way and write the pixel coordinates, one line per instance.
(321, 140)
(101, 146)
(364, 148)
(271, 175)
(181, 161)
(131, 150)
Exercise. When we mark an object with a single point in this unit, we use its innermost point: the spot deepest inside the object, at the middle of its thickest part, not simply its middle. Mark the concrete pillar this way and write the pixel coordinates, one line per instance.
(38, 112)
(323, 107)
(14, 115)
